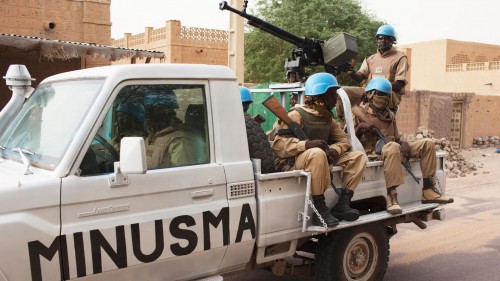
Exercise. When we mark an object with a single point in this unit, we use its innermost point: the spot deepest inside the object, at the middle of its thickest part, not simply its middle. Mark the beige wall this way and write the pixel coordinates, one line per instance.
(455, 66)
(74, 20)
(68, 20)
(450, 115)
(455, 90)
(180, 44)
(485, 114)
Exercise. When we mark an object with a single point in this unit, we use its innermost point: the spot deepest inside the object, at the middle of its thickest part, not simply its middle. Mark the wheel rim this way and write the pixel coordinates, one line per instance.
(361, 257)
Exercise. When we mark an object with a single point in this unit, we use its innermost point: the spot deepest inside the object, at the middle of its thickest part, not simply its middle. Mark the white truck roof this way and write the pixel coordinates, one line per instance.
(138, 71)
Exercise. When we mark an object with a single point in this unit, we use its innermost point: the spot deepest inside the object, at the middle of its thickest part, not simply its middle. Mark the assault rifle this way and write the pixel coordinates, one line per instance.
(335, 54)
(378, 150)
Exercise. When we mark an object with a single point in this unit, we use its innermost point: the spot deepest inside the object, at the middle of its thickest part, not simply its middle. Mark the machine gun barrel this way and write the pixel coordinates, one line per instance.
(267, 27)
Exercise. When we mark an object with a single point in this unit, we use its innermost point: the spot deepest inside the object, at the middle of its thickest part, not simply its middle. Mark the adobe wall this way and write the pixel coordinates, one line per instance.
(408, 116)
(428, 63)
(180, 44)
(485, 115)
(458, 52)
(454, 66)
(67, 20)
(425, 109)
(450, 115)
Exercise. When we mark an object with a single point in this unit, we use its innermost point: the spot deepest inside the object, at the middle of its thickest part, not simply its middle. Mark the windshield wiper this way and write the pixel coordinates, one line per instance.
(26, 162)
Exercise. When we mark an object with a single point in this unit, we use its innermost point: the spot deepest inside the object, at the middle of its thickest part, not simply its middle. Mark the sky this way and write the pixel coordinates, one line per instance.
(414, 20)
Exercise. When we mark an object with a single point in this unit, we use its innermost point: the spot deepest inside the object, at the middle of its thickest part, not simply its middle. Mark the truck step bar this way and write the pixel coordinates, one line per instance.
(433, 211)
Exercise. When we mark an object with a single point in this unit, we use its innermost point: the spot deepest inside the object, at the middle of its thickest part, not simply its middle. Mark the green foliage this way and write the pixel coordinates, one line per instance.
(319, 19)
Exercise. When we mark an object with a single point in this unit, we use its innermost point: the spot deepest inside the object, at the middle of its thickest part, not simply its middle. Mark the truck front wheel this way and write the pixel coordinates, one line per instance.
(358, 253)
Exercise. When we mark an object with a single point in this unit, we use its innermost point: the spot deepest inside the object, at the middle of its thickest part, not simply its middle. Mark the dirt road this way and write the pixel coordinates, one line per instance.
(466, 246)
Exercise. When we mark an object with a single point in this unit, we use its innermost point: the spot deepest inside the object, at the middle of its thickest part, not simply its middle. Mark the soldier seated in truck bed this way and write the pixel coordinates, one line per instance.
(327, 144)
(373, 114)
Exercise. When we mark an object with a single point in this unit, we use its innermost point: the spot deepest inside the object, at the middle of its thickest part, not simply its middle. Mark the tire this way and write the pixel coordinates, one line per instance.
(358, 253)
(258, 145)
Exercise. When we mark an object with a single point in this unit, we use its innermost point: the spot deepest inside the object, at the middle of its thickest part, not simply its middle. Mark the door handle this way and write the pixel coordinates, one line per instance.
(202, 193)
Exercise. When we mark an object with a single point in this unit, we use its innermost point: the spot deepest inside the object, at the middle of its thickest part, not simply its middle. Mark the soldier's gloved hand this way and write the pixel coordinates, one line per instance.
(333, 156)
(405, 150)
(364, 127)
(317, 143)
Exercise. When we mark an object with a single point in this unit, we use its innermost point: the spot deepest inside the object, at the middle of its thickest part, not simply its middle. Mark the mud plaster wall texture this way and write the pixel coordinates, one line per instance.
(180, 44)
(407, 116)
(486, 116)
(440, 115)
(479, 117)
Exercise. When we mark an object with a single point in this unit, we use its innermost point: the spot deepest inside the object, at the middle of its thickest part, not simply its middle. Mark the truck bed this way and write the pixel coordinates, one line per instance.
(282, 203)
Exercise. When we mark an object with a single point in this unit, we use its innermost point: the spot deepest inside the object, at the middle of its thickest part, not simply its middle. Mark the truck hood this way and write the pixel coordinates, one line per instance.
(26, 192)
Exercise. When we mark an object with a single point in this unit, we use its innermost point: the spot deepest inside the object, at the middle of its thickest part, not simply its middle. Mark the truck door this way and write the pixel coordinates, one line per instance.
(168, 223)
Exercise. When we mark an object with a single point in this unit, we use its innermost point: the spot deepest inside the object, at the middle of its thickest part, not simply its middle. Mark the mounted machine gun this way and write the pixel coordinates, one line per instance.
(335, 54)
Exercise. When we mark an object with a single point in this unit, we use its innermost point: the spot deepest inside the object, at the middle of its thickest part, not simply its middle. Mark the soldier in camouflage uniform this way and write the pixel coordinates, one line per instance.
(373, 112)
(327, 145)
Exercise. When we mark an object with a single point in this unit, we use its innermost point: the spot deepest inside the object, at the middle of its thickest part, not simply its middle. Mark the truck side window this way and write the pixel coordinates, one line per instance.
(177, 126)
(170, 117)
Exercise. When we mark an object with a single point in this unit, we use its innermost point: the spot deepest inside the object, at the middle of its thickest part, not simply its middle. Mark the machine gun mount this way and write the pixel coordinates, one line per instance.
(335, 54)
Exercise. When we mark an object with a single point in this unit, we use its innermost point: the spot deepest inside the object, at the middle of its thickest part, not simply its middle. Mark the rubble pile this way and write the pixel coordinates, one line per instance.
(484, 142)
(456, 164)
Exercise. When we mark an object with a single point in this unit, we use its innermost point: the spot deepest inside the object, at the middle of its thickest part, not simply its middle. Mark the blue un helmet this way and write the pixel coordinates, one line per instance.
(167, 99)
(319, 83)
(386, 30)
(246, 95)
(135, 109)
(380, 84)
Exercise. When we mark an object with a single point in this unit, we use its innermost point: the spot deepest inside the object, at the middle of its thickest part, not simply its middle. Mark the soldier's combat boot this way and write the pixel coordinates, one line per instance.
(342, 210)
(393, 207)
(431, 195)
(319, 204)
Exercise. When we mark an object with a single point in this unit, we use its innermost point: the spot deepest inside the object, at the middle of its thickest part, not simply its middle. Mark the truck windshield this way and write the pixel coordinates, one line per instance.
(48, 122)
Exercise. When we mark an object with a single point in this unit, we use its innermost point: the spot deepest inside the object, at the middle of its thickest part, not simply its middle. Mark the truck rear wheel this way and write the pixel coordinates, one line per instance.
(258, 145)
(358, 253)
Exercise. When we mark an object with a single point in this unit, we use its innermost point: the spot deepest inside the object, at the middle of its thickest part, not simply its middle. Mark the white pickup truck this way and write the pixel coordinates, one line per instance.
(78, 203)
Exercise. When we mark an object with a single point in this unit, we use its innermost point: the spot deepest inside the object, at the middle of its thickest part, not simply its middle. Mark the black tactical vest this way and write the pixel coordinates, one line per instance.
(315, 127)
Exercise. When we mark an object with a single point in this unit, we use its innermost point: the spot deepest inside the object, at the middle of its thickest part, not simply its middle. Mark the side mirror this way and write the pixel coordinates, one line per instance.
(133, 156)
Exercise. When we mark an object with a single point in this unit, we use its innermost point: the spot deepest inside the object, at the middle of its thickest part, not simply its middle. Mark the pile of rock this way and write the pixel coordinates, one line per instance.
(456, 164)
(484, 142)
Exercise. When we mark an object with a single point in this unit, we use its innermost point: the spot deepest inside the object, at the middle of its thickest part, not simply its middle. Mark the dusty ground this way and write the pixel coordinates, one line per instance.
(486, 160)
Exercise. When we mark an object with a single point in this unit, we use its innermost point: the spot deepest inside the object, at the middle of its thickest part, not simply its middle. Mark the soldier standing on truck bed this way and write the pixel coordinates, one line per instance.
(388, 63)
(373, 113)
(327, 144)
